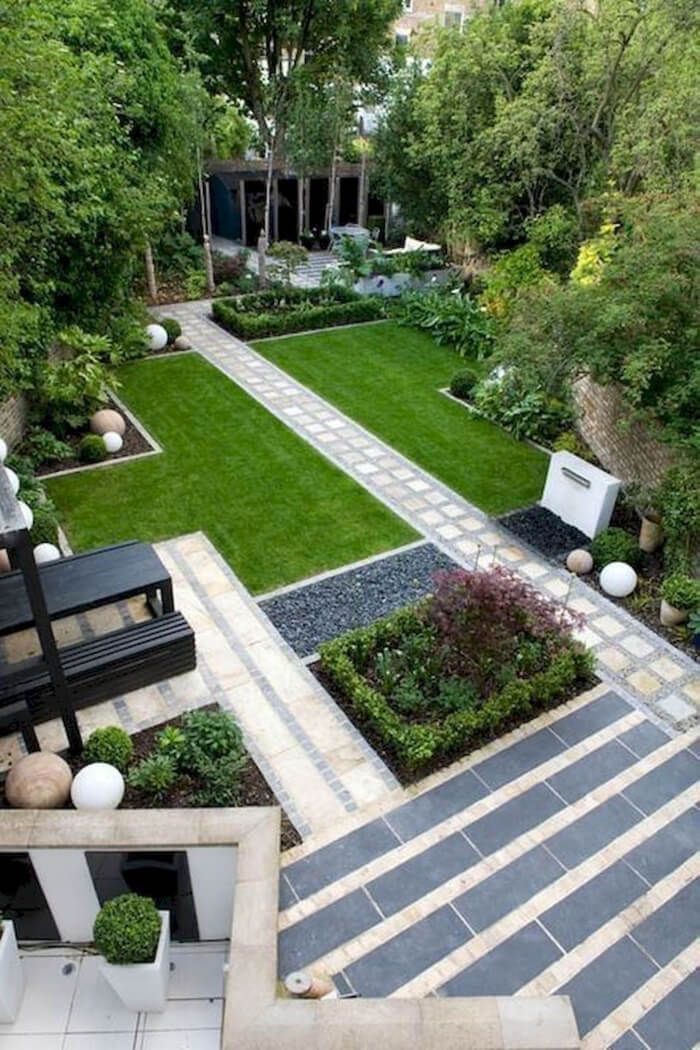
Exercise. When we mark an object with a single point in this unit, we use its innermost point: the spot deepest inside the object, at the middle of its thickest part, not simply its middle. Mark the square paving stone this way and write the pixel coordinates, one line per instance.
(671, 778)
(670, 847)
(513, 818)
(593, 831)
(590, 718)
(392, 964)
(675, 1021)
(590, 906)
(644, 738)
(314, 936)
(331, 862)
(422, 873)
(606, 982)
(508, 888)
(583, 776)
(507, 967)
(414, 817)
(519, 758)
(672, 927)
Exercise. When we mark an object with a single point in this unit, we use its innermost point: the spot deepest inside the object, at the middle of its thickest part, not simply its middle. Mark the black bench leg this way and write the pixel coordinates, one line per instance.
(31, 740)
(163, 604)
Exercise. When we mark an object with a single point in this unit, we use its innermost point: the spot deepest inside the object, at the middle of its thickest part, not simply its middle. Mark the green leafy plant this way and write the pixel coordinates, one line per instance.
(110, 744)
(172, 327)
(694, 624)
(195, 284)
(295, 316)
(453, 320)
(171, 741)
(352, 252)
(463, 383)
(288, 257)
(678, 499)
(127, 930)
(154, 775)
(212, 734)
(681, 591)
(69, 391)
(45, 525)
(221, 778)
(92, 449)
(614, 545)
(569, 441)
(41, 446)
(526, 413)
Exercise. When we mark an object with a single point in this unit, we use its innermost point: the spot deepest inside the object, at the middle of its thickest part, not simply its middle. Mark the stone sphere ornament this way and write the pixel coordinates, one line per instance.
(44, 552)
(182, 343)
(580, 562)
(157, 336)
(106, 421)
(618, 579)
(27, 513)
(97, 786)
(3, 450)
(113, 441)
(13, 479)
(41, 780)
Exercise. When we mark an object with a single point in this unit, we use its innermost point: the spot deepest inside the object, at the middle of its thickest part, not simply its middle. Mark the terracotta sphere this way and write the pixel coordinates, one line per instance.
(4, 560)
(182, 343)
(107, 420)
(579, 561)
(41, 780)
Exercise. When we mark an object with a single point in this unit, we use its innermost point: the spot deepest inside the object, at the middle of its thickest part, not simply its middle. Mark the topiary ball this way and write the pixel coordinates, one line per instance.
(463, 383)
(127, 930)
(92, 449)
(172, 327)
(110, 744)
(615, 545)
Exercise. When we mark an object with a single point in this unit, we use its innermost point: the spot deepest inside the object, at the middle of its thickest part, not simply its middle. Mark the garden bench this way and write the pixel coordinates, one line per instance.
(86, 581)
(99, 668)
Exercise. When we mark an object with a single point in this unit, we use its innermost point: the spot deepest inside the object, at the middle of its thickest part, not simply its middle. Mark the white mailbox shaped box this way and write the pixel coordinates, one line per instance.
(579, 493)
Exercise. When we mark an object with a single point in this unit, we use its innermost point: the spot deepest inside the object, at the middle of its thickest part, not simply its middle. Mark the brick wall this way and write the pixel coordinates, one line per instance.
(628, 451)
(13, 420)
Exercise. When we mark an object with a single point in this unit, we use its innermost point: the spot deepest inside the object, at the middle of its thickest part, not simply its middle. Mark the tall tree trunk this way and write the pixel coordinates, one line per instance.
(330, 207)
(262, 260)
(268, 189)
(150, 273)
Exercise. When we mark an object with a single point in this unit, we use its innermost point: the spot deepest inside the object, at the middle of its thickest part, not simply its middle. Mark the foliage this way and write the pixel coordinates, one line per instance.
(212, 734)
(463, 383)
(69, 390)
(569, 441)
(526, 413)
(110, 744)
(229, 269)
(127, 332)
(154, 775)
(221, 778)
(176, 254)
(614, 544)
(678, 498)
(287, 258)
(352, 252)
(682, 592)
(296, 315)
(127, 930)
(92, 449)
(453, 320)
(509, 275)
(694, 624)
(171, 742)
(172, 327)
(45, 525)
(41, 446)
(555, 236)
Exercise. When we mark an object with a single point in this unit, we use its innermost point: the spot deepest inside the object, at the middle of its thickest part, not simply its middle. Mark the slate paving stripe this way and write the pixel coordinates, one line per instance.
(592, 717)
(323, 931)
(594, 830)
(606, 982)
(382, 971)
(507, 967)
(331, 862)
(508, 888)
(643, 738)
(628, 1041)
(665, 782)
(513, 761)
(675, 1021)
(577, 780)
(513, 818)
(416, 816)
(589, 907)
(670, 847)
(672, 927)
(402, 885)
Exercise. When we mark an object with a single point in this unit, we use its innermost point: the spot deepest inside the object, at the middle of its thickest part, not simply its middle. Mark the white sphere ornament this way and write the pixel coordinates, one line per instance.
(3, 451)
(97, 786)
(27, 513)
(113, 441)
(618, 579)
(157, 336)
(13, 479)
(44, 552)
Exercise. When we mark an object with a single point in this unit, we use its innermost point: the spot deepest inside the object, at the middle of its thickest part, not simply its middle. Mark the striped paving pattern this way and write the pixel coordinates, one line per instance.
(564, 861)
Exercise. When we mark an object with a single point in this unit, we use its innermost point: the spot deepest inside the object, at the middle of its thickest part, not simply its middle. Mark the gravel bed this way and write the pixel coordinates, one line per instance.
(317, 612)
(544, 531)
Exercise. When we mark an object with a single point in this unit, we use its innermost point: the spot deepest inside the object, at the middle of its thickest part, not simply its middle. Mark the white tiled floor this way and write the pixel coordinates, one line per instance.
(68, 1006)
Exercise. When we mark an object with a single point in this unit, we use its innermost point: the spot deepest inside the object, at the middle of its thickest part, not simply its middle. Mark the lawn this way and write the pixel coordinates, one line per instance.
(274, 508)
(388, 379)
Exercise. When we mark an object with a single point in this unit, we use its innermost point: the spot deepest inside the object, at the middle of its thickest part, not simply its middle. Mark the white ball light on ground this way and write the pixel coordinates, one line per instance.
(44, 552)
(3, 451)
(27, 513)
(157, 336)
(13, 479)
(97, 786)
(618, 579)
(113, 441)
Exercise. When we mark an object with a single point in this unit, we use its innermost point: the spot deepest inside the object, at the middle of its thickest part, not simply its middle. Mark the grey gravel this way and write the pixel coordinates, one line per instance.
(316, 612)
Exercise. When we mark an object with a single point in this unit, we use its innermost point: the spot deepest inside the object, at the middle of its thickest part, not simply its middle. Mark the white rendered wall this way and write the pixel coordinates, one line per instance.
(213, 878)
(69, 890)
(579, 493)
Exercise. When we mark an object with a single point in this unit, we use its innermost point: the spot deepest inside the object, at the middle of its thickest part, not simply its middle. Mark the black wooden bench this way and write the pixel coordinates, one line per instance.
(87, 581)
(99, 669)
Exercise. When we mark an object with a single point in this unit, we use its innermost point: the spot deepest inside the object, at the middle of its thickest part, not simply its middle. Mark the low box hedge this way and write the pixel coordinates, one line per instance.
(273, 313)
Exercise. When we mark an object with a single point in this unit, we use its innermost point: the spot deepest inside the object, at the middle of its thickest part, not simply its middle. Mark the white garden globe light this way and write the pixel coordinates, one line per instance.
(27, 513)
(44, 552)
(618, 579)
(13, 479)
(113, 441)
(97, 786)
(157, 336)
(3, 451)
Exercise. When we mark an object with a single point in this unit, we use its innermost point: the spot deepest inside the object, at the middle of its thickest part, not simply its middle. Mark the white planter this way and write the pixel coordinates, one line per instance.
(144, 986)
(11, 974)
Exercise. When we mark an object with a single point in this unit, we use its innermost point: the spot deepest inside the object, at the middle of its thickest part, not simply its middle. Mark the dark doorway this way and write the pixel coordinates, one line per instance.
(347, 210)
(255, 209)
(225, 207)
(22, 899)
(318, 202)
(288, 210)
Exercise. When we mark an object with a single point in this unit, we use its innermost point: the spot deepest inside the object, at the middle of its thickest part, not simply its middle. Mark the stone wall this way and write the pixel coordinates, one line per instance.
(13, 420)
(626, 450)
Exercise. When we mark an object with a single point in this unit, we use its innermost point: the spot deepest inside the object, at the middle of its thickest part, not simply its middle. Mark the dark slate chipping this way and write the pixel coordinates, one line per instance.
(590, 906)
(392, 964)
(591, 718)
(644, 738)
(674, 1023)
(513, 818)
(326, 929)
(606, 982)
(544, 531)
(668, 848)
(662, 784)
(331, 862)
(672, 927)
(519, 758)
(422, 873)
(628, 1041)
(507, 967)
(592, 770)
(593, 831)
(414, 817)
(316, 612)
(508, 888)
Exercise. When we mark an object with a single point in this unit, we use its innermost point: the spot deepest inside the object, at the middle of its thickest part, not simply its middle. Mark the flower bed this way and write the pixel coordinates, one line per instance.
(440, 678)
(272, 313)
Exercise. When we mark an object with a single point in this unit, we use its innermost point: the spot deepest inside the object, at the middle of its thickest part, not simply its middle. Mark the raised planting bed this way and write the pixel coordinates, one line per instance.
(440, 678)
(135, 443)
(269, 313)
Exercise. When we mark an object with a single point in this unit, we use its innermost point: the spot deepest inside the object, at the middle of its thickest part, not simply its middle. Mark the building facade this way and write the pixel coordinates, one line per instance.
(418, 13)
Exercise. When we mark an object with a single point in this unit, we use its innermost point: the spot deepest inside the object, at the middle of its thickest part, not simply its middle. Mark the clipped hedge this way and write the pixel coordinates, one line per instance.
(273, 313)
(430, 744)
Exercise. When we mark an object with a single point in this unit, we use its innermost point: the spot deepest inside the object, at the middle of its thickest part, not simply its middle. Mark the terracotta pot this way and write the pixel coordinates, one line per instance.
(670, 616)
(651, 535)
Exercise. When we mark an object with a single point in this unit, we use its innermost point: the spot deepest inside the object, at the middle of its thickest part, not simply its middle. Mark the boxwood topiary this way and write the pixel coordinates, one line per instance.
(92, 449)
(110, 744)
(681, 591)
(463, 383)
(172, 327)
(127, 929)
(614, 545)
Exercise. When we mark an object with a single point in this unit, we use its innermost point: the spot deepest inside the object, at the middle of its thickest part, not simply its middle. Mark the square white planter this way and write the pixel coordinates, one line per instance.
(11, 974)
(144, 986)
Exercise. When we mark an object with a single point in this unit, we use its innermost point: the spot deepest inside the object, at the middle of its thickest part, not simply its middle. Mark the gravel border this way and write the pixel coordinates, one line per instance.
(544, 532)
(316, 612)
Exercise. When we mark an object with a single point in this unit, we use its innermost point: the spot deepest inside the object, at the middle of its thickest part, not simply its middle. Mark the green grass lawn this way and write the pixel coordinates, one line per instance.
(388, 379)
(274, 508)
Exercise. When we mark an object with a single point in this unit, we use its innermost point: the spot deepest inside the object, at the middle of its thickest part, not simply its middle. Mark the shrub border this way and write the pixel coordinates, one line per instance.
(298, 315)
